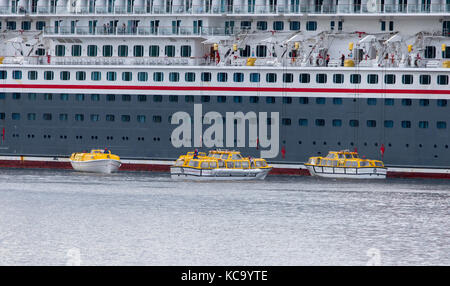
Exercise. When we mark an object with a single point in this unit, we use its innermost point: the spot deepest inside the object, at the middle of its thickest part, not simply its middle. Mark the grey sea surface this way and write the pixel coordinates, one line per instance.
(62, 217)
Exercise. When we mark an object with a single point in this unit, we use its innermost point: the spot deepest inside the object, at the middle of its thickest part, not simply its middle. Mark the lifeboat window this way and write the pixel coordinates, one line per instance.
(341, 156)
(355, 156)
(230, 165)
(224, 156)
(378, 164)
(205, 165)
(245, 164)
(351, 164)
(193, 163)
(330, 163)
(221, 164)
(348, 156)
(213, 165)
(364, 164)
(179, 163)
(334, 163)
(236, 157)
(238, 164)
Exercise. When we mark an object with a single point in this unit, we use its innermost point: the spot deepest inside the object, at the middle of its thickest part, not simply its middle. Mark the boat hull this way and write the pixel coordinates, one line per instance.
(348, 173)
(181, 173)
(106, 166)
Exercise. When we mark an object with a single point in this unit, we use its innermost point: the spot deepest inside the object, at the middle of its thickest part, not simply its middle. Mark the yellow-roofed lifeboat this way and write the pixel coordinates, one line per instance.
(98, 161)
(345, 164)
(219, 165)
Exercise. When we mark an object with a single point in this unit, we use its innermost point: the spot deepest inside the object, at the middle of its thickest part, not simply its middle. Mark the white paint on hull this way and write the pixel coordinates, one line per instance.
(106, 166)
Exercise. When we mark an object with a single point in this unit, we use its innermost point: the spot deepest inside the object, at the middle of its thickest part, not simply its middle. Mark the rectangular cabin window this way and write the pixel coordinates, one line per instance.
(31, 116)
(278, 25)
(80, 75)
(261, 51)
(31, 96)
(294, 25)
(91, 50)
(169, 51)
(63, 117)
(321, 78)
(79, 97)
(95, 117)
(189, 77)
(173, 98)
(407, 79)
(261, 25)
(206, 76)
(424, 102)
(60, 50)
(372, 78)
(138, 51)
(174, 77)
(157, 119)
(270, 99)
(338, 78)
(122, 51)
(406, 102)
(406, 124)
(16, 96)
(107, 50)
(141, 118)
(127, 76)
(304, 78)
(425, 79)
(222, 77)
(64, 75)
(442, 79)
(320, 122)
(441, 102)
(125, 118)
(238, 77)
(17, 74)
(95, 97)
(271, 77)
(189, 98)
(15, 116)
(48, 75)
(430, 52)
(337, 122)
(303, 100)
(355, 78)
(389, 101)
(441, 125)
(254, 99)
(337, 101)
(111, 76)
(255, 77)
(76, 50)
(321, 100)
(205, 98)
(388, 124)
(353, 123)
(288, 77)
(186, 51)
(389, 79)
(287, 100)
(371, 101)
(47, 116)
(221, 99)
(3, 74)
(371, 123)
(311, 25)
(423, 124)
(96, 76)
(126, 97)
(158, 76)
(40, 25)
(158, 98)
(237, 99)
(142, 97)
(142, 76)
(154, 51)
(303, 122)
(109, 117)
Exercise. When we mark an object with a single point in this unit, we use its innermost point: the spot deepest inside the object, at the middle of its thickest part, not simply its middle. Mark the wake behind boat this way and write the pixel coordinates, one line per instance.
(97, 161)
(219, 165)
(345, 164)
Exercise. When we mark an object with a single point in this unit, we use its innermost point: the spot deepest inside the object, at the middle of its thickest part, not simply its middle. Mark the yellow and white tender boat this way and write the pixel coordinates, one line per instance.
(219, 165)
(98, 161)
(345, 164)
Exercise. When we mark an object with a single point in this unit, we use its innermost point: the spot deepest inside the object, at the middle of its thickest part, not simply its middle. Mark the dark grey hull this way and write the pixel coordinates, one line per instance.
(419, 145)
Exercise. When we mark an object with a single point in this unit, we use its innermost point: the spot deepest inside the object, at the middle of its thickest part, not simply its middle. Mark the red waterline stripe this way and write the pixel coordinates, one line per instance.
(225, 88)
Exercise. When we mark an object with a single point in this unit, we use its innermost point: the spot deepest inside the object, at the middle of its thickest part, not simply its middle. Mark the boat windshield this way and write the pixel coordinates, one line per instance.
(215, 155)
(378, 164)
(224, 156)
(236, 157)
(364, 164)
(348, 156)
(355, 156)
(341, 156)
(179, 163)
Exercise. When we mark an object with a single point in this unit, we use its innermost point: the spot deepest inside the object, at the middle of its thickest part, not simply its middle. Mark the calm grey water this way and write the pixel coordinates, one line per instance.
(147, 219)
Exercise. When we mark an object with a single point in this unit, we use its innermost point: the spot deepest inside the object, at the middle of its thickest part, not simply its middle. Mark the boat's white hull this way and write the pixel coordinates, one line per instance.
(180, 173)
(106, 166)
(349, 173)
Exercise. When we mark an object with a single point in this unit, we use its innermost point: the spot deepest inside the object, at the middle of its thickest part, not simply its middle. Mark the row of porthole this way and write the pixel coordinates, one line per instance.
(366, 144)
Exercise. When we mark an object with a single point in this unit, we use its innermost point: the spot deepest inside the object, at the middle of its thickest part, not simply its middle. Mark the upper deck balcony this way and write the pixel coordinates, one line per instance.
(217, 7)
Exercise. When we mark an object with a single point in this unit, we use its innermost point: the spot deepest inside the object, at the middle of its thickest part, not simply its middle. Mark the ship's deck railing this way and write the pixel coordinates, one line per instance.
(231, 9)
(126, 30)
